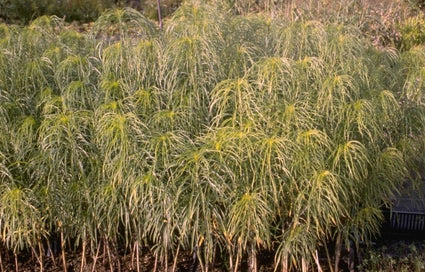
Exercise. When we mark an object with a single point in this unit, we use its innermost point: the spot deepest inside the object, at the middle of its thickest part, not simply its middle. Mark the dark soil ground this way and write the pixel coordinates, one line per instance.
(390, 246)
(127, 263)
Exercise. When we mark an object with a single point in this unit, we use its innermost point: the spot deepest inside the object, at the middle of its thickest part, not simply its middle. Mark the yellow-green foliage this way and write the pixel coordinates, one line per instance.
(219, 131)
(412, 32)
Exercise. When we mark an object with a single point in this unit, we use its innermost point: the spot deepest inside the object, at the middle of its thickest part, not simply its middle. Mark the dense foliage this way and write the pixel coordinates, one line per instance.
(402, 256)
(233, 134)
(23, 11)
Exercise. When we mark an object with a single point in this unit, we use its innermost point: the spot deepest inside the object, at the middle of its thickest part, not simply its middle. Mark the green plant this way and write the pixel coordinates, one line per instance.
(412, 32)
(397, 256)
(230, 135)
(25, 11)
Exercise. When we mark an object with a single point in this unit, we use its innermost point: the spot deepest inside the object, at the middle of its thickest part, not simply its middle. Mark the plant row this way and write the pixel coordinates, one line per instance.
(229, 134)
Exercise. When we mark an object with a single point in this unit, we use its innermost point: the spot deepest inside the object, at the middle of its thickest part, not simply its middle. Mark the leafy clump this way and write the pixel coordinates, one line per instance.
(233, 135)
(25, 11)
(397, 256)
(412, 32)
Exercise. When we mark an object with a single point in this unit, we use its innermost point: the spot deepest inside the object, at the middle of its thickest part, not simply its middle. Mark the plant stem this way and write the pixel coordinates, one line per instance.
(49, 248)
(230, 258)
(304, 265)
(40, 258)
(109, 256)
(137, 256)
(338, 246)
(328, 256)
(83, 256)
(316, 259)
(65, 269)
(284, 263)
(95, 258)
(158, 5)
(155, 264)
(237, 262)
(175, 258)
(16, 262)
(252, 259)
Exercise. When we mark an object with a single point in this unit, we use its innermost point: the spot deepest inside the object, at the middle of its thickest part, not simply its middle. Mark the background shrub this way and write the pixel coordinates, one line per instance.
(412, 32)
(78, 10)
(25, 11)
(395, 256)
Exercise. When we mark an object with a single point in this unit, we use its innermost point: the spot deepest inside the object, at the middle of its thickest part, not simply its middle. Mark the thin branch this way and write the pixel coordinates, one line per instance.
(158, 5)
